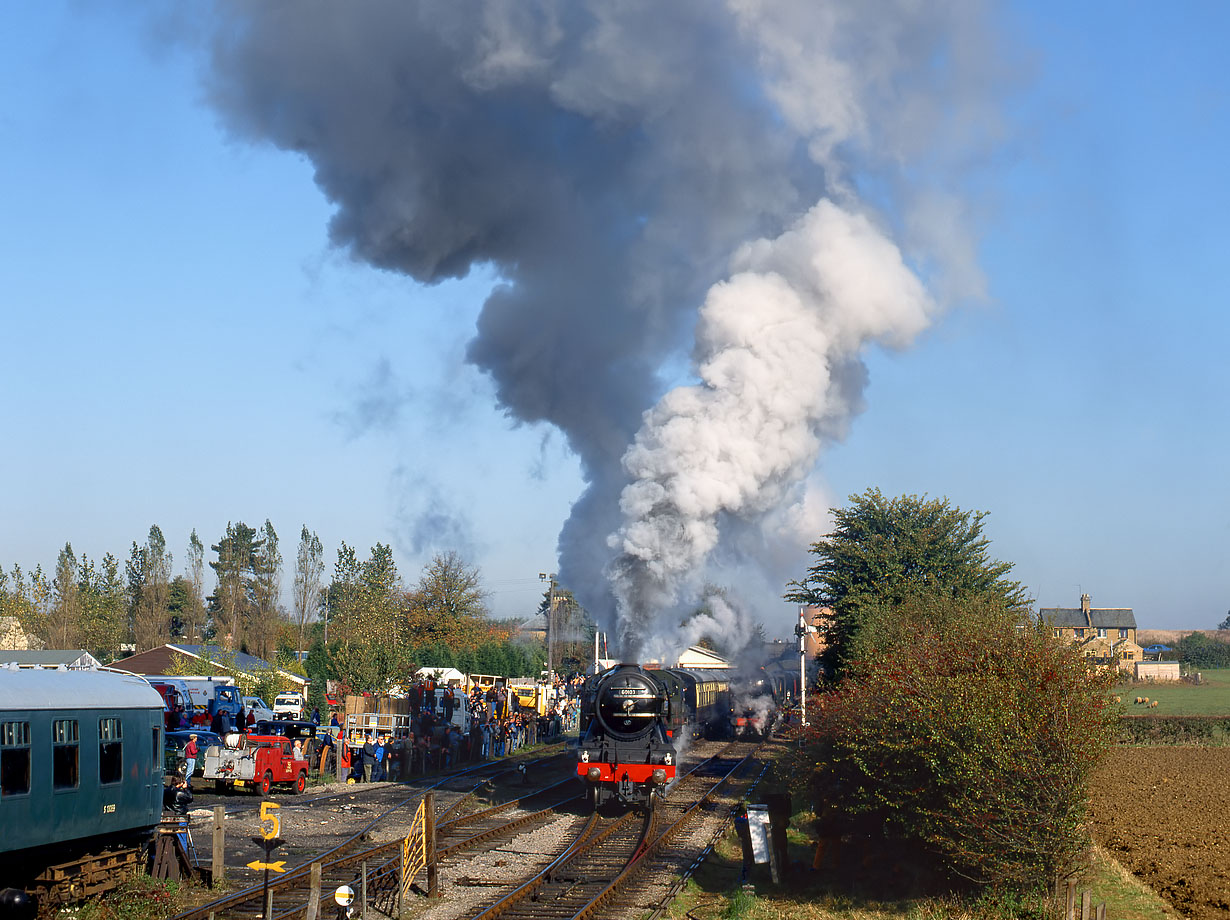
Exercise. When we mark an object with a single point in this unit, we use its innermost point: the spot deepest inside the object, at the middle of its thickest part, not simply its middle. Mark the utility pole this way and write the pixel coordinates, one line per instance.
(550, 579)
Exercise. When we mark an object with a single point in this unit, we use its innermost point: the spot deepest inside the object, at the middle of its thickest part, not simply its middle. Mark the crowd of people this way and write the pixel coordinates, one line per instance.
(498, 727)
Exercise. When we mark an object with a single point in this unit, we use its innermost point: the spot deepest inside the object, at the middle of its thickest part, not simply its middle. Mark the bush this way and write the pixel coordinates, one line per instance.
(961, 740)
(139, 898)
(1201, 652)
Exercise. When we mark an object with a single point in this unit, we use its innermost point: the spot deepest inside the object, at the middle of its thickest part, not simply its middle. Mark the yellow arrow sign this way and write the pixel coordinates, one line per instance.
(279, 866)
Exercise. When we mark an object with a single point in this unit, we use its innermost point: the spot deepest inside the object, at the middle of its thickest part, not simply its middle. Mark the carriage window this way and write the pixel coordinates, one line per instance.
(64, 754)
(14, 758)
(110, 751)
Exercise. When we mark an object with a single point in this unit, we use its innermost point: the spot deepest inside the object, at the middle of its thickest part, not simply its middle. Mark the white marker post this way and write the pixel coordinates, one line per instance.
(801, 632)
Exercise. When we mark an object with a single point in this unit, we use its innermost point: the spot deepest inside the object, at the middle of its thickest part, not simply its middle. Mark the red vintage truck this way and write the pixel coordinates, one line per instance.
(257, 761)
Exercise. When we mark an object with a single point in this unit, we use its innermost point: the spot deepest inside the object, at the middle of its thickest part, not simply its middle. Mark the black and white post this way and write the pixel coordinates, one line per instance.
(801, 632)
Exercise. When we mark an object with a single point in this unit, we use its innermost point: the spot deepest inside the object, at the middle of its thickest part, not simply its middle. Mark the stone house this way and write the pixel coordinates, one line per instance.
(1106, 635)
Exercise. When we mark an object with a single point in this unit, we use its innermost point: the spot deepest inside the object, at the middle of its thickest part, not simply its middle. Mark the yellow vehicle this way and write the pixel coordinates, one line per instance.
(531, 696)
(484, 682)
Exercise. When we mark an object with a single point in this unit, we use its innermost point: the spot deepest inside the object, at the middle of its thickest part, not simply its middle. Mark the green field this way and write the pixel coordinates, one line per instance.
(1209, 698)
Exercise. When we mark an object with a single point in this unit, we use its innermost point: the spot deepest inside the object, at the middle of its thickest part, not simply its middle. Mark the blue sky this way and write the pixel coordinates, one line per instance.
(181, 346)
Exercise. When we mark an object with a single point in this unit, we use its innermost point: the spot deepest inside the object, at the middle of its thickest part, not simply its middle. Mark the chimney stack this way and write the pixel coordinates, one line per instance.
(1085, 608)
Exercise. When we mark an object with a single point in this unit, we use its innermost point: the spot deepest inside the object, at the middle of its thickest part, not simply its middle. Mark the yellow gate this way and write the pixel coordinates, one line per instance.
(413, 852)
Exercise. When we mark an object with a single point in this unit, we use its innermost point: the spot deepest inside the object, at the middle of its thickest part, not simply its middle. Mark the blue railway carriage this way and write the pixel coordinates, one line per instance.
(80, 775)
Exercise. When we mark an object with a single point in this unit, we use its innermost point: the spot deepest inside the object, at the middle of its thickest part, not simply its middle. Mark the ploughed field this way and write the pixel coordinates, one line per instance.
(1164, 814)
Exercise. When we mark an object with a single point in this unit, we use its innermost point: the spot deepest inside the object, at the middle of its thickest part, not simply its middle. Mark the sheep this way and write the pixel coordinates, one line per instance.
(1153, 705)
(1139, 700)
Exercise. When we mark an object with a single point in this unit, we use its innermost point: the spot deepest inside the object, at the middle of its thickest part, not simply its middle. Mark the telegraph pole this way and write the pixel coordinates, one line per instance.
(550, 579)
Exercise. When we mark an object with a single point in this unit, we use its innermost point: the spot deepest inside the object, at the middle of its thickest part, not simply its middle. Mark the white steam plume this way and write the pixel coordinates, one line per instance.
(770, 342)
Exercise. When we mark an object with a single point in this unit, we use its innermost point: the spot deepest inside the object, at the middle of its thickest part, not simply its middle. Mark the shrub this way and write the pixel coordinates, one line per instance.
(1199, 651)
(963, 739)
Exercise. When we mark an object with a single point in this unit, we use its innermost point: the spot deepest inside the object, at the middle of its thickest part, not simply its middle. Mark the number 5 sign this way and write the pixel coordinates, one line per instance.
(270, 825)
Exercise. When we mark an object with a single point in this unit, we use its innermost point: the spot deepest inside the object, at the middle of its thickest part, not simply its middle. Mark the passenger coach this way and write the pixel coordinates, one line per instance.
(80, 768)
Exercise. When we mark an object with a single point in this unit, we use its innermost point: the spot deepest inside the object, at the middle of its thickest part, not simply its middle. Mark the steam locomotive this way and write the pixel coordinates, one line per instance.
(634, 722)
(758, 694)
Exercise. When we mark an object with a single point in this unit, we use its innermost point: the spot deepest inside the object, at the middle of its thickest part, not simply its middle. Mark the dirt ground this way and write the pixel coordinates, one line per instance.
(1163, 814)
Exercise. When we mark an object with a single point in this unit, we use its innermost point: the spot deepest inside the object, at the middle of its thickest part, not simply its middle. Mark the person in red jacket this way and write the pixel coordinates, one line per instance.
(190, 753)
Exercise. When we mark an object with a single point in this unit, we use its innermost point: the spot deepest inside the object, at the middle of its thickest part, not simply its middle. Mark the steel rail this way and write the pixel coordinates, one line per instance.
(331, 862)
(588, 841)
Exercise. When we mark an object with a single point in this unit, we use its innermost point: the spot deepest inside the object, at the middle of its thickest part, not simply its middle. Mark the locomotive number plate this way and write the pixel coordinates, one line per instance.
(108, 809)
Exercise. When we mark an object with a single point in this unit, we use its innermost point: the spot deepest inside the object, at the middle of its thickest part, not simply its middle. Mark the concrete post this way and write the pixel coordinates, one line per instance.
(219, 857)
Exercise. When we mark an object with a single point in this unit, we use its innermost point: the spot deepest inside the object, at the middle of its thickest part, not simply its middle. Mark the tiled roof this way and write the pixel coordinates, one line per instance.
(1101, 617)
(50, 657)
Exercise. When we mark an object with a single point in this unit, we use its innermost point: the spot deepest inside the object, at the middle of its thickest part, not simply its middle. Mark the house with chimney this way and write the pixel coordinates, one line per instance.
(1105, 635)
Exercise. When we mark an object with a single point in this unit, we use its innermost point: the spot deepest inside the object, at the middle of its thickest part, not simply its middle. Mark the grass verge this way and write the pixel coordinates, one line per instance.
(719, 891)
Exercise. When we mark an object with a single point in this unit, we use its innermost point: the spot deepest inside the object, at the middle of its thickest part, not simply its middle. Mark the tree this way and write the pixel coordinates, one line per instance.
(64, 619)
(104, 607)
(882, 550)
(192, 614)
(16, 601)
(570, 628)
(234, 604)
(266, 591)
(1225, 624)
(961, 743)
(309, 580)
(342, 596)
(1200, 652)
(448, 605)
(367, 649)
(149, 579)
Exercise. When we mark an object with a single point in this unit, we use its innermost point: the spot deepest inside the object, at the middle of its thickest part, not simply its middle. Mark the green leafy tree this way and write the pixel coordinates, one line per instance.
(233, 603)
(266, 593)
(882, 550)
(1199, 651)
(103, 607)
(448, 605)
(960, 744)
(309, 582)
(64, 618)
(343, 594)
(192, 614)
(149, 579)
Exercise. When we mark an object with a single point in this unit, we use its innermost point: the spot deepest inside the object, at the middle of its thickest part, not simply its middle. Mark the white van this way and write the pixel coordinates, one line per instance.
(257, 707)
(288, 705)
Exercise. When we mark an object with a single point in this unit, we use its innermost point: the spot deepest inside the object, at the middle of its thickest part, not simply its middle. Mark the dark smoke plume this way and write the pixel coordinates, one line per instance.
(620, 163)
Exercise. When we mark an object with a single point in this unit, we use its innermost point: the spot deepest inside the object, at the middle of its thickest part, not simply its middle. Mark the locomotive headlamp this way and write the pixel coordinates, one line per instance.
(593, 774)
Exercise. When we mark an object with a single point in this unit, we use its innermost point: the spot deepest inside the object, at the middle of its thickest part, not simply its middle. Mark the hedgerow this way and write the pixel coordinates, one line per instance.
(960, 744)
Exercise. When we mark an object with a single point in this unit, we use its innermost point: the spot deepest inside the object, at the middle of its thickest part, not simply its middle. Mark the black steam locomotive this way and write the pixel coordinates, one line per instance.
(634, 721)
(758, 694)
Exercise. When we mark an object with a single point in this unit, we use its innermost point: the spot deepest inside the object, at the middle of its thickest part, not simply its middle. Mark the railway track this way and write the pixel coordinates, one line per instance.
(608, 851)
(584, 866)
(206, 799)
(340, 863)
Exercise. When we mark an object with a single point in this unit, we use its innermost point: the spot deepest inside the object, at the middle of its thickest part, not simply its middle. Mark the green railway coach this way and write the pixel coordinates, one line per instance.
(80, 767)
